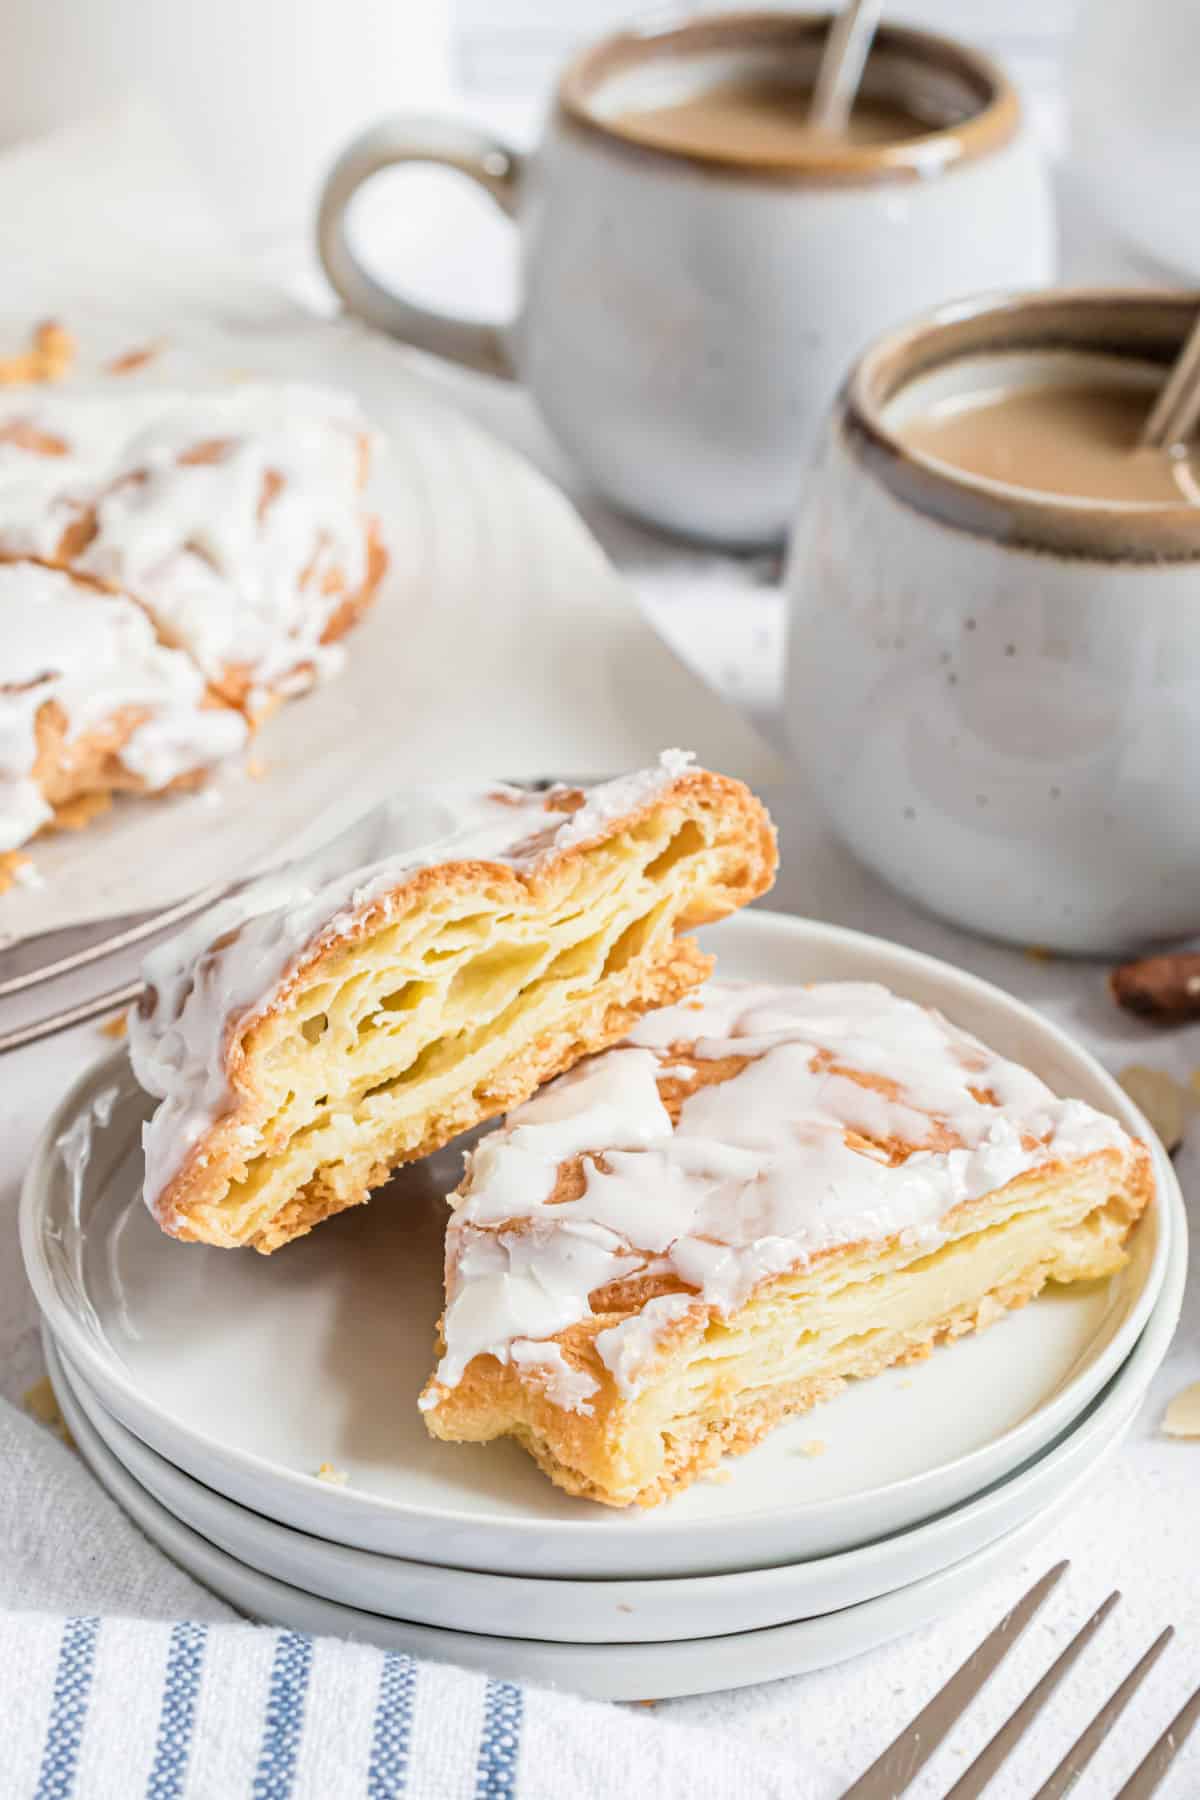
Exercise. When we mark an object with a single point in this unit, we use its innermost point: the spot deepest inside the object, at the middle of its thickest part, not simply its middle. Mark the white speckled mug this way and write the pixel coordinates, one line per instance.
(686, 316)
(997, 691)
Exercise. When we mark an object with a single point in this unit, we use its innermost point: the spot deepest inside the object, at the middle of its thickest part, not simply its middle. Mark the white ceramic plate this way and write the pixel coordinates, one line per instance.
(641, 1611)
(497, 606)
(651, 1671)
(251, 1372)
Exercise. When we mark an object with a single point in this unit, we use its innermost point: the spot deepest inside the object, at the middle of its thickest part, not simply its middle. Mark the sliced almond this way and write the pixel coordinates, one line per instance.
(1182, 1417)
(41, 1402)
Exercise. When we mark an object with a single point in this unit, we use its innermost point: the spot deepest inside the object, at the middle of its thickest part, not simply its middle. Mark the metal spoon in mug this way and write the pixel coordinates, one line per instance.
(842, 62)
(1177, 410)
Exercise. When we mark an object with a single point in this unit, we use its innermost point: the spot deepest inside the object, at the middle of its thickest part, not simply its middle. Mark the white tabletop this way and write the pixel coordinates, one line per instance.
(1137, 1523)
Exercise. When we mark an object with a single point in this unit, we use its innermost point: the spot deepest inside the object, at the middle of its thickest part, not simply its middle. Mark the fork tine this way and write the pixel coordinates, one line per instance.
(973, 1780)
(70, 1015)
(1150, 1771)
(908, 1753)
(1090, 1739)
(123, 934)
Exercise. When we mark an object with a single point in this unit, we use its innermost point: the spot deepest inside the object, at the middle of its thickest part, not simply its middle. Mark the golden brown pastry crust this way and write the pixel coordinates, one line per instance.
(717, 1381)
(190, 1206)
(595, 1455)
(89, 766)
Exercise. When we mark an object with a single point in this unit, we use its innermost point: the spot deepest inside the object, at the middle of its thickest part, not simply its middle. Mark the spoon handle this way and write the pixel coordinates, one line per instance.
(1178, 405)
(842, 62)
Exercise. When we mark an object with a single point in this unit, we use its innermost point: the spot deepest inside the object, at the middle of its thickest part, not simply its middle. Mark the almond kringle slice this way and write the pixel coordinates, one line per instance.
(421, 975)
(762, 1194)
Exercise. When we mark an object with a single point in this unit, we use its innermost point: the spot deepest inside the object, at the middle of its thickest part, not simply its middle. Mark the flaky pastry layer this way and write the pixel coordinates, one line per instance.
(447, 998)
(719, 1385)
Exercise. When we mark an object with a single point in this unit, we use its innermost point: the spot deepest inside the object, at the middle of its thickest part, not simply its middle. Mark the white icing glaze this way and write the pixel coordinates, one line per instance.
(94, 654)
(569, 1388)
(234, 581)
(762, 1171)
(612, 799)
(200, 994)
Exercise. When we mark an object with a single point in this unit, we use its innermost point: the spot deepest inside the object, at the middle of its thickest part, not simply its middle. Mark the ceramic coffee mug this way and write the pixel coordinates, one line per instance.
(686, 316)
(996, 692)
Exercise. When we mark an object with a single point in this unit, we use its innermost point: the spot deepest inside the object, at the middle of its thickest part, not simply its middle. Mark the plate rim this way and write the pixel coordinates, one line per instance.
(941, 1591)
(1089, 1441)
(109, 1374)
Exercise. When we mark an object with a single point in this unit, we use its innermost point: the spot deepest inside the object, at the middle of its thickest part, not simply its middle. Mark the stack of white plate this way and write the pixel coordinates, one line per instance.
(207, 1388)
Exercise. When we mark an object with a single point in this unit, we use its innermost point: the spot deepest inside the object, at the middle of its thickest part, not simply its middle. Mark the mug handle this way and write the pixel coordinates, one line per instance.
(416, 139)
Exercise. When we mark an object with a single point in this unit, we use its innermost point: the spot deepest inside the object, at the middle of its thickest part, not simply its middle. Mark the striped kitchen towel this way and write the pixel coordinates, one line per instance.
(100, 1705)
(109, 1709)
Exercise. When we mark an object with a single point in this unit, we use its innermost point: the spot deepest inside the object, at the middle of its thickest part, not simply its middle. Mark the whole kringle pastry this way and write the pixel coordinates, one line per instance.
(417, 977)
(762, 1193)
(233, 514)
(91, 702)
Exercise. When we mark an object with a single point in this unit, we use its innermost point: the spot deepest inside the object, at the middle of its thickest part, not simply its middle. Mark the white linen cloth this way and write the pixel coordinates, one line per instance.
(166, 1694)
(181, 1699)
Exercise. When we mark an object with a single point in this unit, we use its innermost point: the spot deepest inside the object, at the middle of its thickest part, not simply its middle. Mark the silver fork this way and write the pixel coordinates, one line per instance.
(892, 1772)
(37, 961)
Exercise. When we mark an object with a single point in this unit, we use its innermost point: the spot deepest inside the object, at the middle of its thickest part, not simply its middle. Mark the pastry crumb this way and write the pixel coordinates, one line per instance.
(1039, 953)
(41, 1403)
(257, 769)
(49, 358)
(988, 1311)
(1167, 1104)
(117, 1026)
(73, 815)
(813, 1447)
(17, 870)
(1182, 1417)
(719, 1477)
(335, 1477)
(129, 360)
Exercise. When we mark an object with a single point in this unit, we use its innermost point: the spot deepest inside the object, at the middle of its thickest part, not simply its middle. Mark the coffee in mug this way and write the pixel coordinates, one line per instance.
(1066, 424)
(764, 121)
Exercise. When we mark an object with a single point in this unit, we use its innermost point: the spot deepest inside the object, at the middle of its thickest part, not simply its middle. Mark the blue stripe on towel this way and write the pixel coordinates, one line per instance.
(499, 1742)
(68, 1709)
(387, 1774)
(285, 1717)
(181, 1684)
